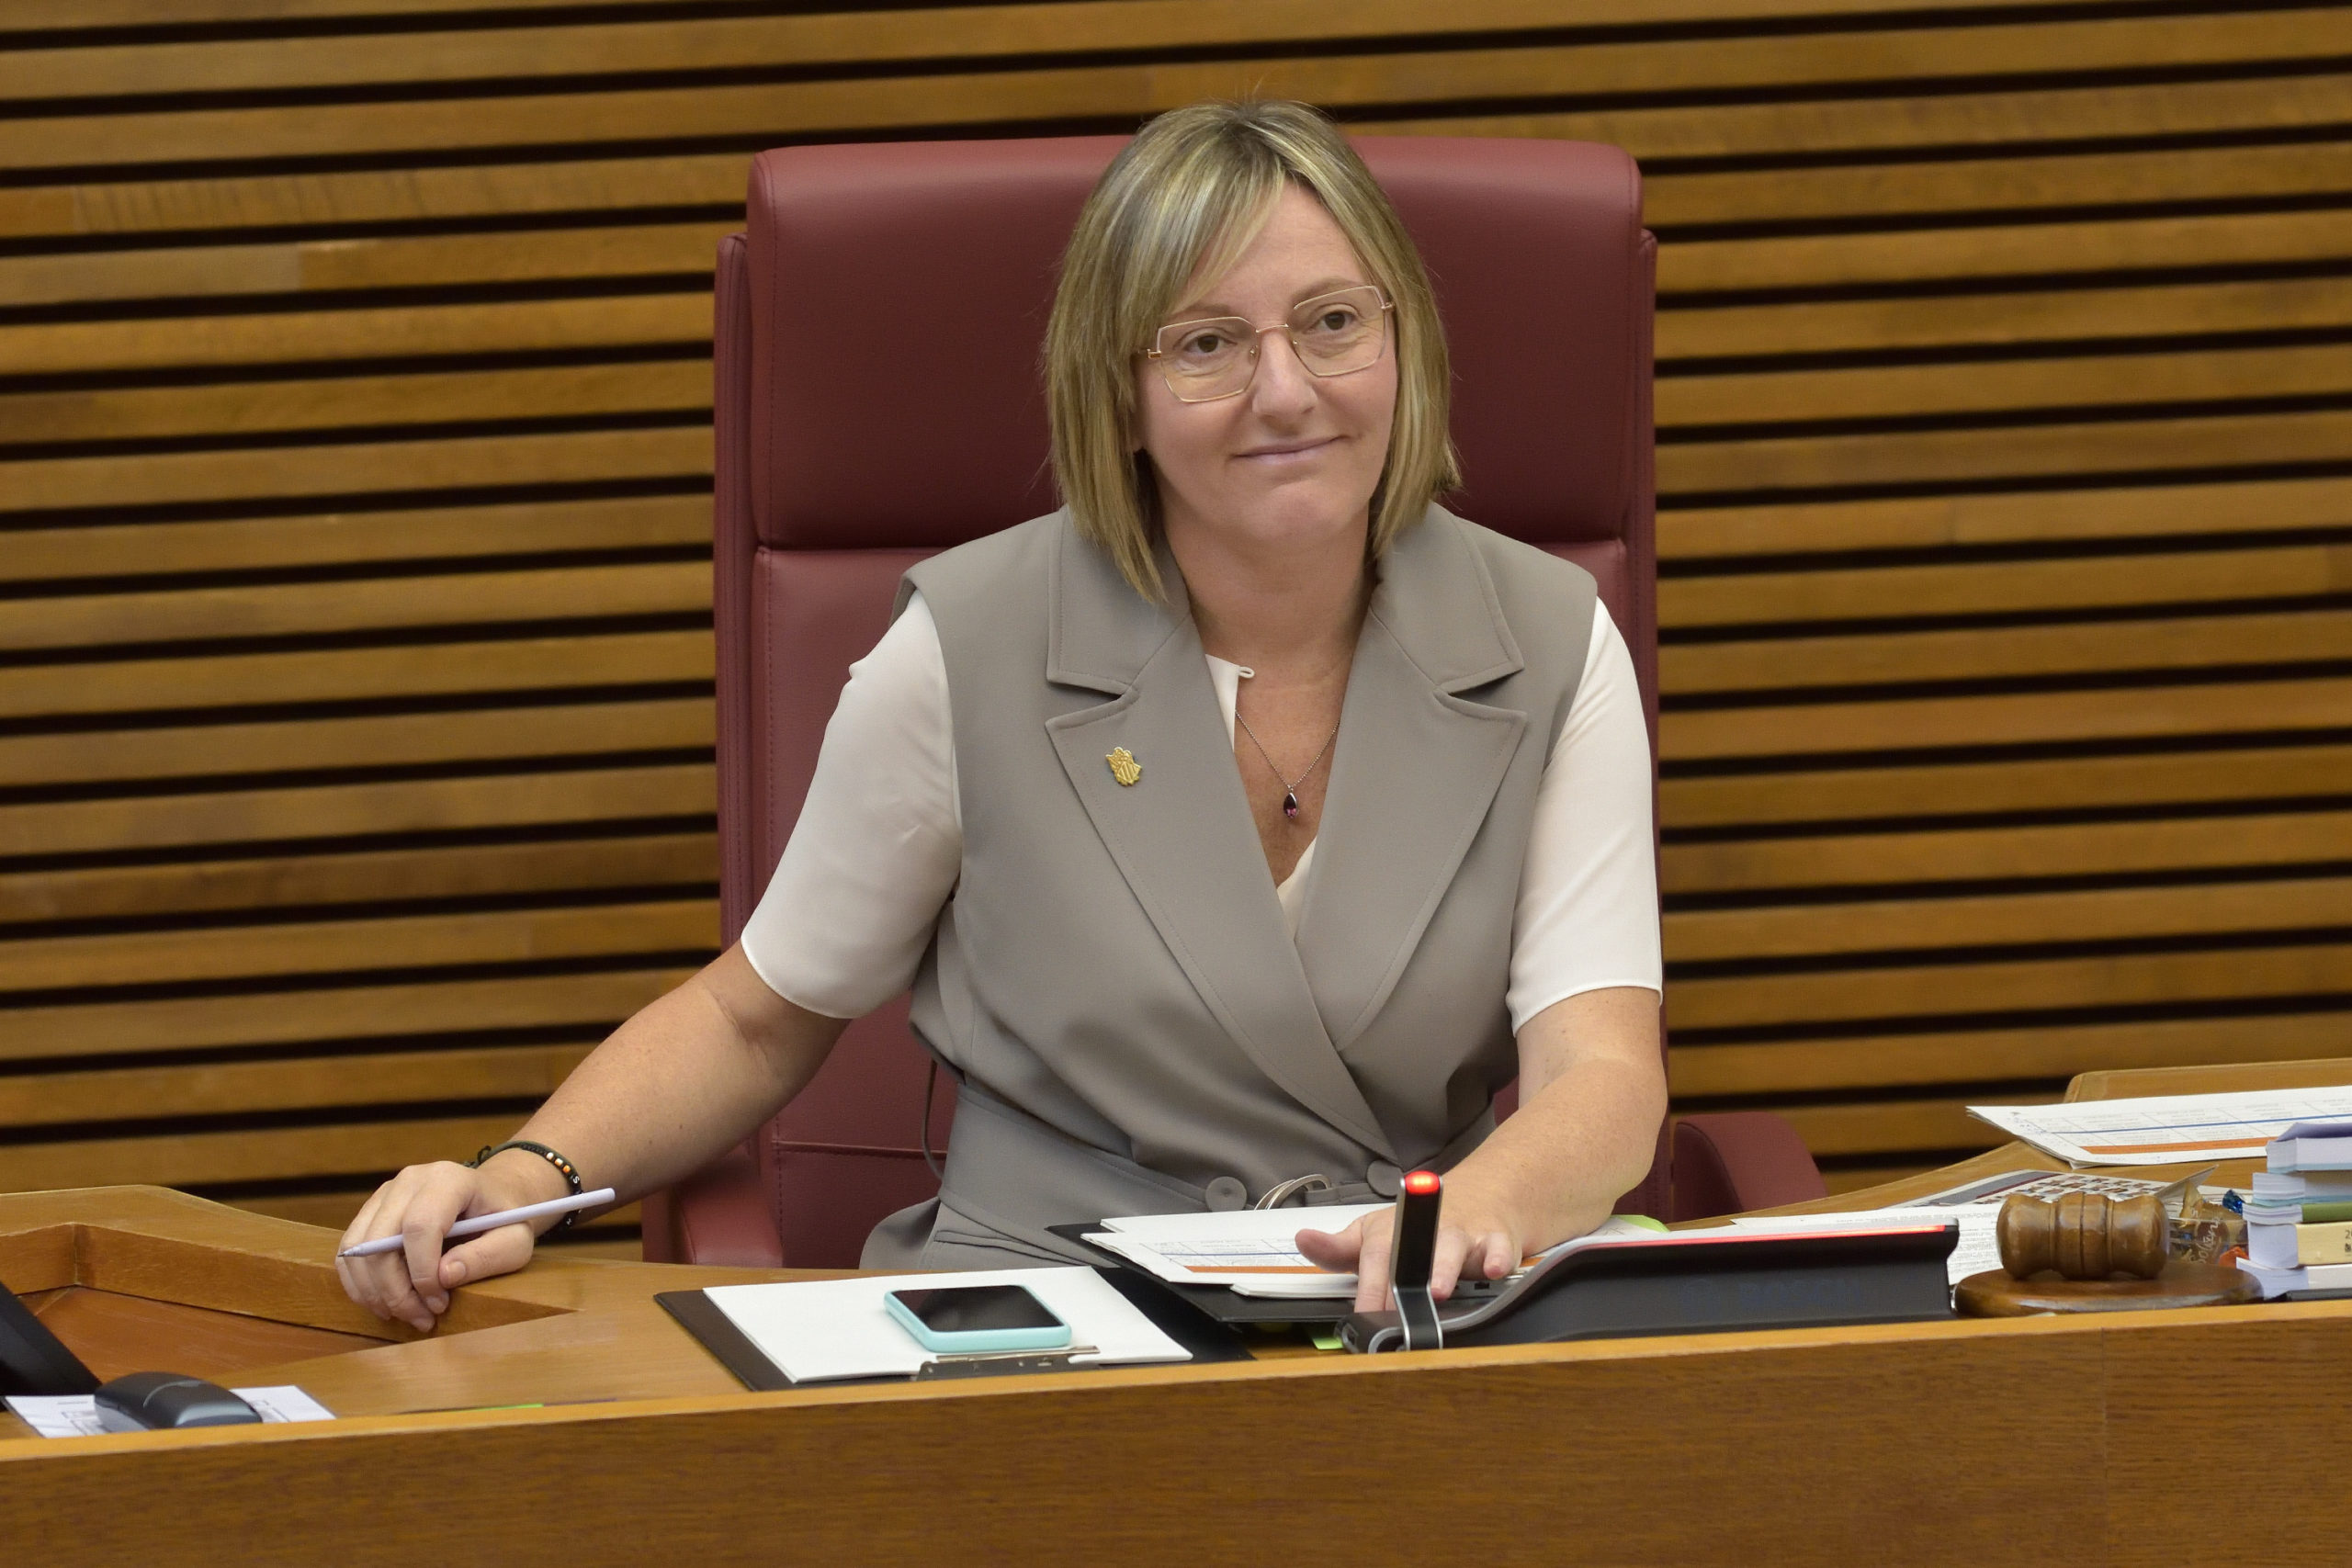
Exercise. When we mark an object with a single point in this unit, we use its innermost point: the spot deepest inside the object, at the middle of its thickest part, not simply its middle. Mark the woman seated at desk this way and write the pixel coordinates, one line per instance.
(1252, 818)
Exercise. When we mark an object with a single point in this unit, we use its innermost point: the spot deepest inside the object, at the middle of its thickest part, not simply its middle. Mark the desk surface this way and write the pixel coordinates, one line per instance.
(2171, 1437)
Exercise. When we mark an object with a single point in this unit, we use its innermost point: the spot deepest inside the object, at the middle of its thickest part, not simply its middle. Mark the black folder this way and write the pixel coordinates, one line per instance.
(1208, 1340)
(32, 1359)
(1688, 1282)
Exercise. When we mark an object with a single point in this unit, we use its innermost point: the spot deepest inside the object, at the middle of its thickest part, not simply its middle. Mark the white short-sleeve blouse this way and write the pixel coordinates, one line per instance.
(879, 843)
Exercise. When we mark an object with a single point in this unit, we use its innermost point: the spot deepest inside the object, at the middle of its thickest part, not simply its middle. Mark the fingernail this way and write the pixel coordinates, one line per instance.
(438, 1304)
(456, 1269)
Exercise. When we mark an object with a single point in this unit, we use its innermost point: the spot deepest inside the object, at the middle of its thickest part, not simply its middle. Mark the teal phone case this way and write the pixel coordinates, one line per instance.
(1049, 1338)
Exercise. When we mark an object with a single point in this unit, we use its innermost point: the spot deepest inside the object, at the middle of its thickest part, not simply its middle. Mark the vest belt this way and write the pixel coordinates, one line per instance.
(1013, 1174)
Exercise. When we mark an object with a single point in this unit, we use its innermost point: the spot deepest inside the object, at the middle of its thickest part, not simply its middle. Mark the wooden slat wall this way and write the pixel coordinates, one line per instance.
(355, 714)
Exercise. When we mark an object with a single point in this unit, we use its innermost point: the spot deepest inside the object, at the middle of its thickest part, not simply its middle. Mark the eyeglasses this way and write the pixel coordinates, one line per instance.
(1335, 334)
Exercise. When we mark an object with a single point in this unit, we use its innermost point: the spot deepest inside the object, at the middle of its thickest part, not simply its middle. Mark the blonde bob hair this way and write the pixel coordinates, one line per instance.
(1182, 201)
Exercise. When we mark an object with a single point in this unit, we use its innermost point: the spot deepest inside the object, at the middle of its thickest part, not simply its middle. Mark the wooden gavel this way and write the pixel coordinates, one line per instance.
(2084, 1236)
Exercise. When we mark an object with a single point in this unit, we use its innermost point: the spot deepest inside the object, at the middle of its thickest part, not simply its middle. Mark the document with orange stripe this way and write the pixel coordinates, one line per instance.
(2173, 1129)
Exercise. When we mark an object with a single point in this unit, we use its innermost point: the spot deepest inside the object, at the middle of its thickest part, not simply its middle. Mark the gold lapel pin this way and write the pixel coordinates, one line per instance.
(1123, 766)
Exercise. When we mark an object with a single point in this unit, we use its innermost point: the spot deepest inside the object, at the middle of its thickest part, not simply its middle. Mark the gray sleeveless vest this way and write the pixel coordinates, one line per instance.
(1133, 1029)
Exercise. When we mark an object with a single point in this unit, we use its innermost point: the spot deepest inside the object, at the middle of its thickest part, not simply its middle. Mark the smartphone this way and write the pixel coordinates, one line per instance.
(963, 1319)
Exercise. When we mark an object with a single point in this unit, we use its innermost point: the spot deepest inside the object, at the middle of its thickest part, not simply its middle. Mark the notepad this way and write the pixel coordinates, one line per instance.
(2167, 1128)
(816, 1330)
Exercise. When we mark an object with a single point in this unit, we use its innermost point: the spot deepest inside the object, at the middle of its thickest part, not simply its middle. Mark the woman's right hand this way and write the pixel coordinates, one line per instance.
(419, 1205)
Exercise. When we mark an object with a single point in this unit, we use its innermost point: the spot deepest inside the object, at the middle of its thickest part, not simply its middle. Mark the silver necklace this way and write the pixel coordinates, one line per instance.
(1290, 787)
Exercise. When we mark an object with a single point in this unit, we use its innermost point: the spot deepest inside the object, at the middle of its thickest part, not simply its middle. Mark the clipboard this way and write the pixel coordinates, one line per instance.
(1692, 1281)
(1208, 1340)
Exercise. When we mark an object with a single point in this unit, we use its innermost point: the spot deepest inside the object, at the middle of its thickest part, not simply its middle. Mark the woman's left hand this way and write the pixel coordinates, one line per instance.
(1476, 1237)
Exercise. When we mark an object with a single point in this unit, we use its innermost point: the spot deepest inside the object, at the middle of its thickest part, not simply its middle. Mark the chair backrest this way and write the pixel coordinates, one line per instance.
(878, 400)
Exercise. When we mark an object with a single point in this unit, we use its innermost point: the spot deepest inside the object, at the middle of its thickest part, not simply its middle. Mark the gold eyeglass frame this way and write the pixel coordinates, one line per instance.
(1159, 351)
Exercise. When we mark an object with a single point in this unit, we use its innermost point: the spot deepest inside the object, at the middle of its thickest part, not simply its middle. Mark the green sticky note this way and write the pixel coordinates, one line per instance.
(1329, 1342)
(1645, 1221)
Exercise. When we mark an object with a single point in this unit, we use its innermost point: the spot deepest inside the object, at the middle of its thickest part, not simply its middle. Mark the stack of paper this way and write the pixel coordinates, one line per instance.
(2176, 1129)
(1254, 1251)
(2299, 1217)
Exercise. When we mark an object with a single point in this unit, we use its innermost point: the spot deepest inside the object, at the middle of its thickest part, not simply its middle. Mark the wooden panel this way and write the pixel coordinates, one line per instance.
(1894, 1125)
(1921, 56)
(402, 740)
(2134, 979)
(2004, 186)
(1871, 123)
(232, 202)
(334, 811)
(352, 946)
(346, 674)
(373, 196)
(1841, 1177)
(314, 336)
(2112, 914)
(354, 455)
(700, 43)
(589, 458)
(190, 1160)
(2023, 250)
(1102, 23)
(306, 266)
(1778, 1422)
(469, 871)
(114, 1334)
(1993, 854)
(2074, 315)
(2195, 642)
(1957, 457)
(1939, 521)
(1955, 789)
(444, 1006)
(229, 1088)
(1973, 388)
(656, 249)
(1981, 588)
(1707, 1072)
(520, 528)
(298, 403)
(2133, 713)
(184, 614)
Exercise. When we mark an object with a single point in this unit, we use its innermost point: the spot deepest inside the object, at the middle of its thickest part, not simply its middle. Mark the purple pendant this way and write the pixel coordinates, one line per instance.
(1290, 805)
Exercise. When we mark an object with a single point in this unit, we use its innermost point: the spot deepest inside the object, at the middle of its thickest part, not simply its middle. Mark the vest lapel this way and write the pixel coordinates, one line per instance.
(1414, 773)
(1181, 834)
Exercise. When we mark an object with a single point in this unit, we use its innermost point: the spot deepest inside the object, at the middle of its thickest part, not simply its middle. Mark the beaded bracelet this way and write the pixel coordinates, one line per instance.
(569, 1172)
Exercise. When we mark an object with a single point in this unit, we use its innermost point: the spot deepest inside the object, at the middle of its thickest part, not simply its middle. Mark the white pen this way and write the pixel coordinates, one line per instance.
(481, 1223)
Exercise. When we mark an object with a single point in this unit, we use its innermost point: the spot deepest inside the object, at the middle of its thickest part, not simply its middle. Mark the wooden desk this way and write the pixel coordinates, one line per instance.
(2155, 1437)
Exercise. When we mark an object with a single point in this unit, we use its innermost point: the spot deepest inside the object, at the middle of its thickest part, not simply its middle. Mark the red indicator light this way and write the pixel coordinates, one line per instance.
(1421, 1183)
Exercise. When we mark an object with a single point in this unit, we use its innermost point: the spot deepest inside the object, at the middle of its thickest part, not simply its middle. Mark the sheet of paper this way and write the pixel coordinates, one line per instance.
(1979, 1247)
(76, 1415)
(1246, 1222)
(1256, 1247)
(2167, 1128)
(1253, 1251)
(839, 1328)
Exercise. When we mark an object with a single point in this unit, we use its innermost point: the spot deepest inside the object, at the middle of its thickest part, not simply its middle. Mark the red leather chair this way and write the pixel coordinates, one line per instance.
(877, 400)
